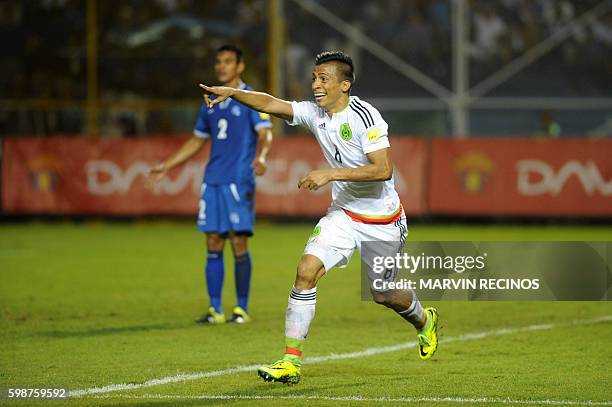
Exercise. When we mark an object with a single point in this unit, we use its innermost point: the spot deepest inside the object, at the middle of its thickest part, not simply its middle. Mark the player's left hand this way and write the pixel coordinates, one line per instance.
(259, 166)
(315, 179)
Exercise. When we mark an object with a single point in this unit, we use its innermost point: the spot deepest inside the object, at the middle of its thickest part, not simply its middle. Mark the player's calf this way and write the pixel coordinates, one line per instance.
(300, 313)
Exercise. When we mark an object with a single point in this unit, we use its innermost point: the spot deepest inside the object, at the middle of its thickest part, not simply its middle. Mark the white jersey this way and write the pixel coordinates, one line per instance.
(345, 139)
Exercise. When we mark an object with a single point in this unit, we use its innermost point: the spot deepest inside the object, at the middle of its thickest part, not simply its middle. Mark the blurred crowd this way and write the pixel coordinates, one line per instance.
(501, 34)
(146, 50)
(155, 50)
(419, 32)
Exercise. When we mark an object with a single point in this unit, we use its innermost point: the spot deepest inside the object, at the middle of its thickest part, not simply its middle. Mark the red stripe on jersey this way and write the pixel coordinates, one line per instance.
(375, 221)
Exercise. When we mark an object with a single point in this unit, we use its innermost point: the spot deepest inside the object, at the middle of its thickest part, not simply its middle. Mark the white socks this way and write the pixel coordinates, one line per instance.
(414, 314)
(300, 312)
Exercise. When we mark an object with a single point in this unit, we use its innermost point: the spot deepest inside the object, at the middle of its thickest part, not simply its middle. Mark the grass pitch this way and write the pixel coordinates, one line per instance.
(97, 304)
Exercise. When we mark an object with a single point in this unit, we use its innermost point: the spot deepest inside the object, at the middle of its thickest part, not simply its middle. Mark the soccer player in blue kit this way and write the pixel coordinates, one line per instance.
(240, 141)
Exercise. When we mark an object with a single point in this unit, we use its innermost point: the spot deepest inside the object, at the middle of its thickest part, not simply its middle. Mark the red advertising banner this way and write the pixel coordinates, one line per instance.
(521, 177)
(61, 175)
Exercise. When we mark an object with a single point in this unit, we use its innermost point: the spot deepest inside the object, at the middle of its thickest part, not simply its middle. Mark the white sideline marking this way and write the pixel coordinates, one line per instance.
(483, 400)
(320, 359)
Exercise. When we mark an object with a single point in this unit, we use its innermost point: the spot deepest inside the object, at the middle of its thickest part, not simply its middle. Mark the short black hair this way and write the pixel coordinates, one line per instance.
(231, 48)
(348, 73)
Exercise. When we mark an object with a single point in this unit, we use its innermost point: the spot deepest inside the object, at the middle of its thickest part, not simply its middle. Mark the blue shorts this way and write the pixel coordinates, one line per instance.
(227, 208)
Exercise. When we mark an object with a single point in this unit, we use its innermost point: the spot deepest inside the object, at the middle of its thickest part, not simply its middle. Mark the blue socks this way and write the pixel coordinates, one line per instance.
(243, 279)
(215, 271)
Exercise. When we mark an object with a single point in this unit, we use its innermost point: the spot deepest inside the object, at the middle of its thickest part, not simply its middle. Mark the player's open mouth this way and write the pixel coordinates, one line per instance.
(319, 96)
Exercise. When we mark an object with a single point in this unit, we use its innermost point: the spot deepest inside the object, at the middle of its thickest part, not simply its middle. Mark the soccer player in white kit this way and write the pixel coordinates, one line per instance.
(365, 206)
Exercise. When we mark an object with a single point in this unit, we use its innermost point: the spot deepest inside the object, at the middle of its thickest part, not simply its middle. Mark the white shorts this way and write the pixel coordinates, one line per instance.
(336, 237)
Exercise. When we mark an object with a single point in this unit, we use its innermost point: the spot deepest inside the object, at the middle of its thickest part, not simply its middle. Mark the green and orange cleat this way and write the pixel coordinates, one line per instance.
(282, 371)
(428, 335)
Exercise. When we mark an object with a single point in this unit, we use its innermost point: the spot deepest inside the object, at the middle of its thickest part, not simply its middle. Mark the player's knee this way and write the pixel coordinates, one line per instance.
(306, 275)
(239, 244)
(381, 298)
(214, 242)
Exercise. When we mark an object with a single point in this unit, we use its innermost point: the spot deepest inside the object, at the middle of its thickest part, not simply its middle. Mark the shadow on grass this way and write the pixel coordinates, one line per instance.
(114, 330)
(281, 390)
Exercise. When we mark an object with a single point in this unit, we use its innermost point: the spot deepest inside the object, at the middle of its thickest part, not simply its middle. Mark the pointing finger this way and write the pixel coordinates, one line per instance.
(302, 181)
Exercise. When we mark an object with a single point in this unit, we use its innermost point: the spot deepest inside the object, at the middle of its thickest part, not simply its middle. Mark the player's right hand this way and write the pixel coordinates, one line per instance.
(259, 166)
(156, 173)
(316, 179)
(221, 93)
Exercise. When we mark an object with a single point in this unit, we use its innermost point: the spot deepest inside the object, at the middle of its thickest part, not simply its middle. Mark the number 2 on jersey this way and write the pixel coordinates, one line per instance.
(222, 125)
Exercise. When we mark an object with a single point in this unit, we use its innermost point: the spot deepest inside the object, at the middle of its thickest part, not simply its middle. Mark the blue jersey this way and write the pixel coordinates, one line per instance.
(231, 127)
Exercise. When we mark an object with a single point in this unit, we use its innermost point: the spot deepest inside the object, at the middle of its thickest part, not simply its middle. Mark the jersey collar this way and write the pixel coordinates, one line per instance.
(340, 112)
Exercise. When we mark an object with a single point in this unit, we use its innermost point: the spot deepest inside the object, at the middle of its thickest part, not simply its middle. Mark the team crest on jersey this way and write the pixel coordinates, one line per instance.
(345, 132)
(236, 111)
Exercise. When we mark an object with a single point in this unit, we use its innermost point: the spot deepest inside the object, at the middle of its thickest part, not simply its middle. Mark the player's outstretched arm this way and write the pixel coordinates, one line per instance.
(262, 102)
(380, 168)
